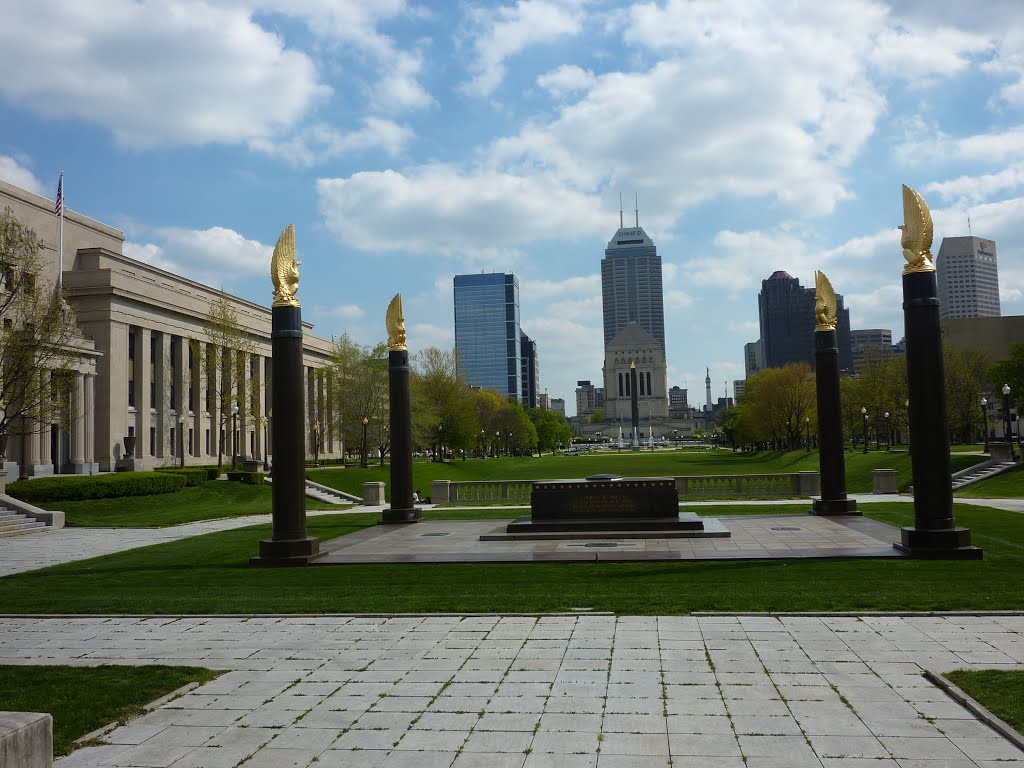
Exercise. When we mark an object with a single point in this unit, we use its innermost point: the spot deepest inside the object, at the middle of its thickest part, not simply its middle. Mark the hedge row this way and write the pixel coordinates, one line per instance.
(249, 478)
(76, 488)
(193, 475)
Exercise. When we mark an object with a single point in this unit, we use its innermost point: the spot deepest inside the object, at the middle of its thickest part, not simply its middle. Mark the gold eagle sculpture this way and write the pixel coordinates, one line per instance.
(284, 270)
(395, 323)
(824, 303)
(917, 233)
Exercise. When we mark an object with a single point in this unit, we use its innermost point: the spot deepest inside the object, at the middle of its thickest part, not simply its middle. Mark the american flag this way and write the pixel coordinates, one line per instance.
(59, 205)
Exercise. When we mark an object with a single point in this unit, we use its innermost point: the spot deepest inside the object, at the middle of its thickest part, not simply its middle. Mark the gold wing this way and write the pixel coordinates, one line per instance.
(917, 233)
(284, 270)
(824, 303)
(395, 323)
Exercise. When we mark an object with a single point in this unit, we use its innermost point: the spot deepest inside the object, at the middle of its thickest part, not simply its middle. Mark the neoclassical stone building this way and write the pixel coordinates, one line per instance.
(137, 373)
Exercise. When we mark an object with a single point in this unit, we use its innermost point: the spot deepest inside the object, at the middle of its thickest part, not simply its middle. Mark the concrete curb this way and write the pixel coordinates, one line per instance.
(499, 614)
(960, 697)
(156, 704)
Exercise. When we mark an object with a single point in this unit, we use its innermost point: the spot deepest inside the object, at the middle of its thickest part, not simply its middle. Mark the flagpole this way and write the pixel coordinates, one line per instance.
(60, 249)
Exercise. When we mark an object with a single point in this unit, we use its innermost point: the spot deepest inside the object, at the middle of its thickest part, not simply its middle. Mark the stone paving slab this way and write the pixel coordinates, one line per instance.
(749, 537)
(566, 690)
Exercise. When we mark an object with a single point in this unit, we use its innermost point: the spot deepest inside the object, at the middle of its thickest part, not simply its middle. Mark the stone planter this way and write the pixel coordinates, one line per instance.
(129, 445)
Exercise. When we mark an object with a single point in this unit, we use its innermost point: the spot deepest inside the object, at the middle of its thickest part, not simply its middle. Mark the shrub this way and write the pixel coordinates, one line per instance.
(76, 488)
(211, 471)
(249, 478)
(193, 476)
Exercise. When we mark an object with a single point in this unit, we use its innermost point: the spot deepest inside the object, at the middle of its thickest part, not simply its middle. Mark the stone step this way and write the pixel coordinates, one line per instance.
(19, 528)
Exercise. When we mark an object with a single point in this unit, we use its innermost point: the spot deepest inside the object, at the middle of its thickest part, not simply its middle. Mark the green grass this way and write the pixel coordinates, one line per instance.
(82, 699)
(963, 447)
(209, 574)
(1009, 485)
(999, 691)
(211, 500)
(635, 464)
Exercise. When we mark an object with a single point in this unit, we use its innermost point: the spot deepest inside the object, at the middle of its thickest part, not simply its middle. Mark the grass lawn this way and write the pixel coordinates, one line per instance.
(1009, 485)
(211, 500)
(209, 574)
(632, 464)
(999, 691)
(82, 699)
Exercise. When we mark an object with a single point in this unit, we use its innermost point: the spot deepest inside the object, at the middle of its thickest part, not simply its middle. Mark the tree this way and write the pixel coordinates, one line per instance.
(360, 378)
(444, 416)
(225, 361)
(1009, 371)
(552, 429)
(966, 381)
(776, 402)
(38, 340)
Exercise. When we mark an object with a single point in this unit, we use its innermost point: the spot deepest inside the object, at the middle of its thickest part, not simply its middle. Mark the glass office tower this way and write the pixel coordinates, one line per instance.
(487, 333)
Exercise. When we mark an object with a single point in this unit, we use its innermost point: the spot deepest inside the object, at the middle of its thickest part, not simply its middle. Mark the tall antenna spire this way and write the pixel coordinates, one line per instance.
(620, 211)
(636, 210)
(969, 225)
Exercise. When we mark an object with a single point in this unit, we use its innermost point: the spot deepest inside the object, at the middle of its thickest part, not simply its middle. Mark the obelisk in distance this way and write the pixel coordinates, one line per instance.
(289, 544)
(402, 509)
(634, 405)
(831, 453)
(935, 534)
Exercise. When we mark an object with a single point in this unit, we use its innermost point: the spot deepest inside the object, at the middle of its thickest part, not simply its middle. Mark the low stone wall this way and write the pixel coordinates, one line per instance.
(717, 486)
(26, 740)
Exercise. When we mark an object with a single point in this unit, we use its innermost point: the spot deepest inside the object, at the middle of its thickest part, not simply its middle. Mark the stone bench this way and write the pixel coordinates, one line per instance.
(26, 740)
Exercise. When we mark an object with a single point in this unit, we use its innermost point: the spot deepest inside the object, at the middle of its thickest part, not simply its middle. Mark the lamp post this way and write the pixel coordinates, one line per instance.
(234, 437)
(984, 417)
(483, 444)
(1006, 420)
(365, 422)
(888, 434)
(440, 442)
(864, 413)
(497, 439)
(807, 431)
(181, 437)
(266, 442)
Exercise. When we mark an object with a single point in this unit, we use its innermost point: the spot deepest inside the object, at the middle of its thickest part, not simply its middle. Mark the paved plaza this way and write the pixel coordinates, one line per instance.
(543, 692)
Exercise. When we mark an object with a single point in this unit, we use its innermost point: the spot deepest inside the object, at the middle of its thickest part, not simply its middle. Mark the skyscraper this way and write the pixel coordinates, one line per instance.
(786, 313)
(487, 334)
(530, 370)
(634, 323)
(968, 276)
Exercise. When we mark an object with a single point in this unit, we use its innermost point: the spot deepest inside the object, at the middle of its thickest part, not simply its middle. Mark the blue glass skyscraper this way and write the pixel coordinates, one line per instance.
(487, 334)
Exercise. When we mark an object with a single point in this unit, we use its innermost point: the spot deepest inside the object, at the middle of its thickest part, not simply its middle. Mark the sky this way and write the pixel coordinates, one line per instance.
(411, 141)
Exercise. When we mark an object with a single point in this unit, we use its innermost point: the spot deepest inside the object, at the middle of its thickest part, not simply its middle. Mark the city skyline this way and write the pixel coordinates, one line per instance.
(410, 143)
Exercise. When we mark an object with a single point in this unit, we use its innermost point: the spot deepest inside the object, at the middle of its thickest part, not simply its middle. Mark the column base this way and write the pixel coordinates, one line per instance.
(834, 507)
(283, 553)
(78, 468)
(390, 516)
(944, 544)
(40, 470)
(130, 465)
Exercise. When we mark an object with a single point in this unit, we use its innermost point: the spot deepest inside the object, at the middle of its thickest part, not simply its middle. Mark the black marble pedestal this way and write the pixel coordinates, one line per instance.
(831, 452)
(402, 509)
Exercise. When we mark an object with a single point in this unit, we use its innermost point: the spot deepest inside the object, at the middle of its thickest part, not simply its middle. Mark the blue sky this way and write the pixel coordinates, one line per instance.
(409, 142)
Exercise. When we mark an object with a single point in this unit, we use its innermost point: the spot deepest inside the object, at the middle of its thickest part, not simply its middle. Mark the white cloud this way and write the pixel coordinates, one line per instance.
(423, 335)
(923, 53)
(207, 255)
(322, 142)
(565, 80)
(587, 285)
(347, 311)
(16, 172)
(503, 32)
(172, 72)
(675, 299)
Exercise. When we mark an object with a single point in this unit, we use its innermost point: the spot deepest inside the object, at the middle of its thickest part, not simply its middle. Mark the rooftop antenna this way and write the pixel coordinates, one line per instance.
(636, 210)
(969, 225)
(620, 211)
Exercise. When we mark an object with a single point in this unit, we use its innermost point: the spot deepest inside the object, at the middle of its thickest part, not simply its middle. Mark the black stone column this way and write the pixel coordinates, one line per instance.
(831, 453)
(634, 407)
(935, 533)
(402, 509)
(290, 545)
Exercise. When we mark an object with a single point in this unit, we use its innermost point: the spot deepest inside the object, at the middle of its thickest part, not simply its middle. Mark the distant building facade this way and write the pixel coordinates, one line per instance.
(753, 357)
(635, 346)
(487, 332)
(993, 335)
(677, 400)
(530, 371)
(864, 340)
(738, 385)
(544, 401)
(588, 398)
(558, 405)
(786, 314)
(968, 276)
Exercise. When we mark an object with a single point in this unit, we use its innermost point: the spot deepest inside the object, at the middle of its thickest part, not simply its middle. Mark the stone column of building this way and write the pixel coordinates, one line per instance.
(330, 413)
(76, 460)
(321, 409)
(215, 372)
(143, 378)
(45, 430)
(89, 425)
(111, 417)
(268, 401)
(198, 403)
(162, 376)
(241, 397)
(259, 403)
(180, 404)
(310, 402)
(29, 448)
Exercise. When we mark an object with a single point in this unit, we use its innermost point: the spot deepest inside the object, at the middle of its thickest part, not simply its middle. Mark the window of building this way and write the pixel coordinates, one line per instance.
(152, 441)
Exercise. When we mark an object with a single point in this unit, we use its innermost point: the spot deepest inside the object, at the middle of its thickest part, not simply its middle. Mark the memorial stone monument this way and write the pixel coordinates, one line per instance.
(289, 544)
(831, 453)
(402, 509)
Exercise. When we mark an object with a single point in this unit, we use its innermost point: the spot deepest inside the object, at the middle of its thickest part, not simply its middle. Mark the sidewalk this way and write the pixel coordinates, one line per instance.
(570, 691)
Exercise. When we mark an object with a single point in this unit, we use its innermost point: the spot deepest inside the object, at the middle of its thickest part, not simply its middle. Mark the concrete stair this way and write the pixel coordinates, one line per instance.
(324, 493)
(14, 523)
(982, 472)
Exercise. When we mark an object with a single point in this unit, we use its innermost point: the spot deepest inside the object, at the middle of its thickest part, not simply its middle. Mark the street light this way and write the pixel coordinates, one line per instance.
(440, 441)
(864, 413)
(497, 440)
(888, 434)
(1006, 419)
(984, 416)
(234, 437)
(181, 437)
(365, 422)
(807, 431)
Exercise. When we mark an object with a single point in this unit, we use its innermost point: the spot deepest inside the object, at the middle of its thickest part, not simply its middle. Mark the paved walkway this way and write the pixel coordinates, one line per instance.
(588, 691)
